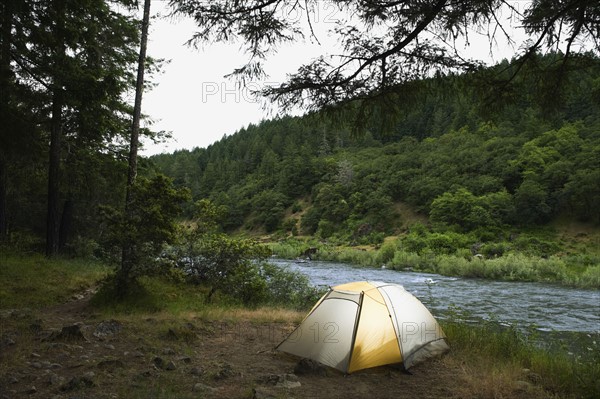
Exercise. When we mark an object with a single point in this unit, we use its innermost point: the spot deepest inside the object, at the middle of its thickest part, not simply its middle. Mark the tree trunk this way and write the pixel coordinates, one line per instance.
(5, 73)
(137, 108)
(53, 214)
(66, 224)
(128, 255)
(3, 208)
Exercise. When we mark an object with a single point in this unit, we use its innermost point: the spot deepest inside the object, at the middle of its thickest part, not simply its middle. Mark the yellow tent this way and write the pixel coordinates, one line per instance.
(367, 324)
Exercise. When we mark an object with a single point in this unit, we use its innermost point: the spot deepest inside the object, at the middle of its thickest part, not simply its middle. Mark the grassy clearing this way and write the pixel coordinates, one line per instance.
(490, 359)
(34, 281)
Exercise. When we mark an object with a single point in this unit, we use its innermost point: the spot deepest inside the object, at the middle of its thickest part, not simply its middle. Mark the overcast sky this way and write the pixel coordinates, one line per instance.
(193, 99)
(198, 105)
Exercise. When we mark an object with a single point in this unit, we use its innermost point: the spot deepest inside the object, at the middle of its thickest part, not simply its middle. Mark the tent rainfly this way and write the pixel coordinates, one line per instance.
(366, 324)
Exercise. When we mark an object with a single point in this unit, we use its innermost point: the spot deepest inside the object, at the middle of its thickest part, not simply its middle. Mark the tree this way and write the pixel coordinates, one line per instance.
(145, 228)
(388, 45)
(65, 68)
(129, 258)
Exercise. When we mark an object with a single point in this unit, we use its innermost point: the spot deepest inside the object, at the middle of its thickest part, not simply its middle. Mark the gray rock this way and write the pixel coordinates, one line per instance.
(203, 388)
(168, 351)
(13, 380)
(107, 328)
(53, 379)
(31, 390)
(68, 333)
(109, 347)
(56, 366)
(225, 371)
(197, 371)
(36, 365)
(170, 366)
(184, 359)
(159, 362)
(89, 375)
(77, 383)
(287, 381)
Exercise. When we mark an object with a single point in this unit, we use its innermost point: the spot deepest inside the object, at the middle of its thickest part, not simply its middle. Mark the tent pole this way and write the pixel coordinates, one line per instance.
(356, 321)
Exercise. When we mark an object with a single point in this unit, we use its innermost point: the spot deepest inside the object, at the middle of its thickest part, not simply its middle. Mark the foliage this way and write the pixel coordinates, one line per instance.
(376, 70)
(149, 225)
(479, 175)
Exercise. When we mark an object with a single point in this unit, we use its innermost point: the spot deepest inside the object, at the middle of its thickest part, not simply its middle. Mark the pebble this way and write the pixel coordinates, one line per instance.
(170, 366)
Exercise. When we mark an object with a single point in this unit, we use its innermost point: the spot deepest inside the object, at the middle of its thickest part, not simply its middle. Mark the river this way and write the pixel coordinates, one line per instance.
(526, 306)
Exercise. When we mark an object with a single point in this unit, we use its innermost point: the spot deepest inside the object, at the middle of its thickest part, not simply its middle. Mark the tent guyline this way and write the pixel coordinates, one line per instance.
(366, 324)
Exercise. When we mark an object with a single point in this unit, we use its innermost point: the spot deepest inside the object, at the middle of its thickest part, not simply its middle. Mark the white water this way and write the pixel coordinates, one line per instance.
(524, 305)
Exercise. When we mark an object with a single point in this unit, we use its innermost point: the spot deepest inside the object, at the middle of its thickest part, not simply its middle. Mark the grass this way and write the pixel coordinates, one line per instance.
(159, 312)
(34, 281)
(572, 270)
(505, 354)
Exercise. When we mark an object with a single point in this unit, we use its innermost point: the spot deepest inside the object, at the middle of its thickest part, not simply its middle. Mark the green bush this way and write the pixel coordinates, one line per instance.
(287, 288)
(386, 253)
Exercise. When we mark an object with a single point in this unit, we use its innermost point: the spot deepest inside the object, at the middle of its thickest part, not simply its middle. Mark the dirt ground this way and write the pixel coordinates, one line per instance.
(186, 357)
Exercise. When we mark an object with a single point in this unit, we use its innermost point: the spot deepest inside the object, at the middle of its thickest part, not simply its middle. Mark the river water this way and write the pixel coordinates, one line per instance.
(539, 306)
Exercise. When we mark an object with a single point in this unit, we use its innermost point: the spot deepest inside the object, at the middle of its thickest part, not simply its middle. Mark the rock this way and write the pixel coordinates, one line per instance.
(137, 354)
(68, 333)
(6, 342)
(56, 366)
(89, 376)
(310, 367)
(13, 380)
(31, 390)
(170, 366)
(36, 365)
(197, 371)
(203, 388)
(109, 347)
(172, 335)
(287, 381)
(54, 379)
(184, 359)
(225, 371)
(168, 351)
(77, 383)
(107, 328)
(159, 363)
(35, 355)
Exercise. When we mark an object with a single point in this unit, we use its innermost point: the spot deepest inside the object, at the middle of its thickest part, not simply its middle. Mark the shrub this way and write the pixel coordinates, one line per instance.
(386, 252)
(288, 288)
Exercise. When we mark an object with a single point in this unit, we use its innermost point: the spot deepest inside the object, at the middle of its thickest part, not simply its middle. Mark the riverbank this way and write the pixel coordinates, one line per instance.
(570, 270)
(167, 342)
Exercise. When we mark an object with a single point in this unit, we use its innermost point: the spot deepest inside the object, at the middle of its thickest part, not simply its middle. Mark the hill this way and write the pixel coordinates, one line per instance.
(448, 159)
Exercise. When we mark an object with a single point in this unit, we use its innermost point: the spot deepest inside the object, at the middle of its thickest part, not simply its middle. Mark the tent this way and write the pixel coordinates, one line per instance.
(367, 324)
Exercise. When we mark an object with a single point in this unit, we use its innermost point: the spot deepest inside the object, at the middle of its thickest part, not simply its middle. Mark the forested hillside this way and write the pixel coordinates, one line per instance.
(471, 162)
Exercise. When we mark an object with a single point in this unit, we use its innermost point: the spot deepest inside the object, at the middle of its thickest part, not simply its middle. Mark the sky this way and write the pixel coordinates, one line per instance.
(193, 100)
(198, 105)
